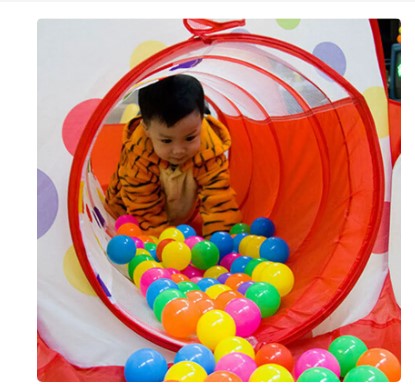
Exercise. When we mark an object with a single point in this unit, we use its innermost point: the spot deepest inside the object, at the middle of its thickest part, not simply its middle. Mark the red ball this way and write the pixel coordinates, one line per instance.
(275, 353)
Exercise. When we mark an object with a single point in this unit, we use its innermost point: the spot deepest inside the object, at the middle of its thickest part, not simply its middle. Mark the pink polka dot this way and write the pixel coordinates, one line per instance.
(75, 122)
(382, 240)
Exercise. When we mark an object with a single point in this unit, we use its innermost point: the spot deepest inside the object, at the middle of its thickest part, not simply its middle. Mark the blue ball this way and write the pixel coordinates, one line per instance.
(263, 226)
(274, 249)
(236, 241)
(224, 242)
(205, 283)
(188, 231)
(239, 264)
(197, 353)
(121, 249)
(145, 365)
(158, 286)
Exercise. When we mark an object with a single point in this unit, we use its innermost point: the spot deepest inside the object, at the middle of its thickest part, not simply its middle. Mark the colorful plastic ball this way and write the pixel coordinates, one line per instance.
(318, 374)
(176, 255)
(191, 271)
(125, 219)
(263, 226)
(237, 241)
(143, 251)
(186, 286)
(150, 276)
(187, 230)
(204, 283)
(265, 296)
(252, 246)
(252, 265)
(186, 371)
(197, 353)
(160, 246)
(152, 249)
(143, 267)
(275, 353)
(280, 276)
(137, 259)
(365, 373)
(145, 365)
(163, 299)
(244, 243)
(224, 242)
(233, 344)
(205, 254)
(138, 242)
(246, 314)
(244, 286)
(179, 318)
(222, 376)
(179, 277)
(213, 326)
(227, 260)
(214, 272)
(202, 300)
(240, 263)
(236, 279)
(121, 249)
(193, 240)
(347, 349)
(239, 228)
(157, 287)
(384, 360)
(275, 249)
(224, 298)
(173, 233)
(271, 372)
(316, 357)
(240, 364)
(215, 290)
(130, 229)
(223, 277)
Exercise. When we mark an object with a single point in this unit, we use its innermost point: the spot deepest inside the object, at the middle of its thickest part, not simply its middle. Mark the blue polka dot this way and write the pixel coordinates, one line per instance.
(47, 203)
(332, 55)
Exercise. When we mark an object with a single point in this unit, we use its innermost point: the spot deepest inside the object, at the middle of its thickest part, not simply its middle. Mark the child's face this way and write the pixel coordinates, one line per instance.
(178, 143)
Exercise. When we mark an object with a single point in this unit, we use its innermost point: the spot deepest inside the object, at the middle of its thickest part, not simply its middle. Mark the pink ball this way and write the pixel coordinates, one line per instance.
(227, 260)
(246, 314)
(195, 279)
(192, 240)
(138, 243)
(191, 271)
(125, 219)
(240, 364)
(316, 357)
(152, 275)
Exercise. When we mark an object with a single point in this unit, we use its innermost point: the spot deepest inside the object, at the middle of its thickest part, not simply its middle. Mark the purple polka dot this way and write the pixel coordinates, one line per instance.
(332, 55)
(47, 203)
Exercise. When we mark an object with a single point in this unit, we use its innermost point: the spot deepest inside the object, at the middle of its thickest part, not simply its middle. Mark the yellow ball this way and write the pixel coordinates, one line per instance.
(233, 344)
(186, 371)
(173, 233)
(215, 290)
(143, 267)
(142, 251)
(214, 326)
(257, 271)
(215, 271)
(252, 246)
(271, 372)
(280, 276)
(176, 255)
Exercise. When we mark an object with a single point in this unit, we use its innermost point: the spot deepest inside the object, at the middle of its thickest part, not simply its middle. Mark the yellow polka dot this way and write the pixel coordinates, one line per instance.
(129, 112)
(144, 51)
(74, 273)
(376, 99)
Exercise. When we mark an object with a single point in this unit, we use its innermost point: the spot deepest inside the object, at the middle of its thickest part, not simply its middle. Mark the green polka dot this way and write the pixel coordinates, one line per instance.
(288, 24)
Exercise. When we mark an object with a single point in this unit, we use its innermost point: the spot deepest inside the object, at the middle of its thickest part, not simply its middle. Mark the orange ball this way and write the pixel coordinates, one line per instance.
(225, 297)
(384, 360)
(222, 376)
(235, 280)
(178, 277)
(179, 318)
(161, 245)
(275, 353)
(129, 229)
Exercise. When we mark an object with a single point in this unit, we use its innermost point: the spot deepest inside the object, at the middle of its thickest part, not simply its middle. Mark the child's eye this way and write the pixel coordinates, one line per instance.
(190, 138)
(166, 141)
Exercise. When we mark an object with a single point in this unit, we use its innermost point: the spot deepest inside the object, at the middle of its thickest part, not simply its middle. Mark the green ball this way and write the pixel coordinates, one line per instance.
(347, 349)
(239, 228)
(186, 286)
(135, 261)
(365, 373)
(163, 299)
(205, 254)
(266, 296)
(252, 264)
(318, 374)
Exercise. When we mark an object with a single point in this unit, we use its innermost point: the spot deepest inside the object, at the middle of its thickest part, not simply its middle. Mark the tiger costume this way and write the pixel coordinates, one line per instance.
(160, 195)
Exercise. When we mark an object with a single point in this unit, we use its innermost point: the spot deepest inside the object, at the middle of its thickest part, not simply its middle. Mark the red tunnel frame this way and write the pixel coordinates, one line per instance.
(139, 73)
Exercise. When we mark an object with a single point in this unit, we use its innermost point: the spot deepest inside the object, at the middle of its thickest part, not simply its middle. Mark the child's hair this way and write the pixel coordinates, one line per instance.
(171, 99)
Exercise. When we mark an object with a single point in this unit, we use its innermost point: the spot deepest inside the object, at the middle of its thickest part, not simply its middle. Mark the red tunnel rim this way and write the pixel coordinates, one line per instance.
(106, 104)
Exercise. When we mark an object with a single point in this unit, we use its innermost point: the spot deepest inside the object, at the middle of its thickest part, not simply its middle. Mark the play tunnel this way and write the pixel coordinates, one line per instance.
(304, 153)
